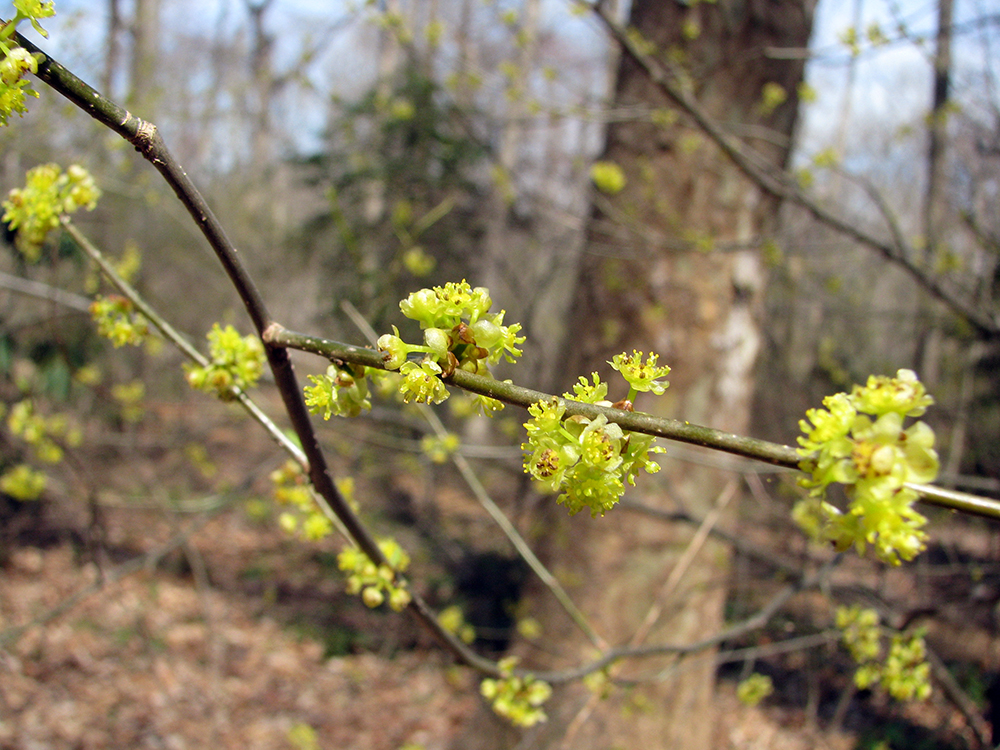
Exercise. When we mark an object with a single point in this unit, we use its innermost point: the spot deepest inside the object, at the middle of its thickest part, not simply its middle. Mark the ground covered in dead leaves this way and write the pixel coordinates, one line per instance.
(155, 661)
(191, 630)
(162, 660)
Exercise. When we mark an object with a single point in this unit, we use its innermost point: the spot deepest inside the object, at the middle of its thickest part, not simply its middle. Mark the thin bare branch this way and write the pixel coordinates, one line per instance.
(38, 290)
(499, 517)
(751, 624)
(146, 139)
(781, 184)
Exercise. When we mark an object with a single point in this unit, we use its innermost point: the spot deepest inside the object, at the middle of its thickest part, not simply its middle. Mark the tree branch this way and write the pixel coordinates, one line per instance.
(780, 184)
(174, 336)
(752, 623)
(45, 292)
(150, 144)
(147, 140)
(499, 518)
(671, 429)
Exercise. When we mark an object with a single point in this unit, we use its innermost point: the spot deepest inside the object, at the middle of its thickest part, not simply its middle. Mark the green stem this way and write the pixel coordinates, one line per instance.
(670, 429)
(150, 144)
(185, 347)
(513, 535)
(175, 337)
(9, 27)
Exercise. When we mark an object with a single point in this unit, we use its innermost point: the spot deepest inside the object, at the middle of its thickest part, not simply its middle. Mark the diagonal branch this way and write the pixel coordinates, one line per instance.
(149, 143)
(780, 184)
(671, 429)
(499, 518)
(147, 140)
(45, 292)
(174, 336)
(753, 623)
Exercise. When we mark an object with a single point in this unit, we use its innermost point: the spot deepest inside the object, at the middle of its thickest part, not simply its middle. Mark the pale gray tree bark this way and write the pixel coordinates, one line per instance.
(145, 54)
(931, 337)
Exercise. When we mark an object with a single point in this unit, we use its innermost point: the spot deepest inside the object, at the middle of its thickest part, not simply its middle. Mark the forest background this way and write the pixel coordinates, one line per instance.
(359, 153)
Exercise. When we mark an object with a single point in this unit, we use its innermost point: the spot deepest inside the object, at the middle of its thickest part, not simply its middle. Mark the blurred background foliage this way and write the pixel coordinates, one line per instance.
(359, 152)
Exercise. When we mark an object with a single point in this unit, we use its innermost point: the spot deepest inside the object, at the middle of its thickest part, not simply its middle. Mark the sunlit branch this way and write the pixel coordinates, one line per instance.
(671, 429)
(175, 337)
(146, 139)
(513, 535)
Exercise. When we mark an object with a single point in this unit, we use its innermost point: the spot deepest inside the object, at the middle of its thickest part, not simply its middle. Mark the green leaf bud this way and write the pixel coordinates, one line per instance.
(394, 350)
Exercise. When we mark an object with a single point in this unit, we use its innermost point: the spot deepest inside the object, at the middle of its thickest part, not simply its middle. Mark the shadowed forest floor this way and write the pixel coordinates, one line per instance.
(238, 636)
(155, 661)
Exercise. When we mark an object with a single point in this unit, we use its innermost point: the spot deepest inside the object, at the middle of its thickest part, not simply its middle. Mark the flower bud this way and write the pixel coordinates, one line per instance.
(480, 301)
(882, 460)
(420, 305)
(399, 599)
(372, 597)
(394, 351)
(438, 340)
(487, 333)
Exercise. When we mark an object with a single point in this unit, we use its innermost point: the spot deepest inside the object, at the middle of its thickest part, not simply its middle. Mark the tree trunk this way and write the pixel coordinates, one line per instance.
(112, 47)
(143, 92)
(935, 201)
(930, 340)
(651, 280)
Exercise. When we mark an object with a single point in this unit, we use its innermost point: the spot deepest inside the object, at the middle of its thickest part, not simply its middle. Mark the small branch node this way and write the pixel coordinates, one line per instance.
(145, 135)
(271, 332)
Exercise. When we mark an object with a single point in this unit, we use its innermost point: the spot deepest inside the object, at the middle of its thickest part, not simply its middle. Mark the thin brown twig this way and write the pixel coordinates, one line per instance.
(655, 610)
(686, 559)
(958, 697)
(147, 140)
(751, 624)
(519, 543)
